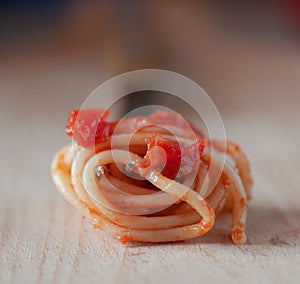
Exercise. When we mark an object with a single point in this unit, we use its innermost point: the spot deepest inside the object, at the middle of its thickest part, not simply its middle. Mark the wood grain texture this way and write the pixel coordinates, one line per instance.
(44, 240)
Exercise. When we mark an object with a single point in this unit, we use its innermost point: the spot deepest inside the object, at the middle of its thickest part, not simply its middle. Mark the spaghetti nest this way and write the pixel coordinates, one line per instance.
(151, 179)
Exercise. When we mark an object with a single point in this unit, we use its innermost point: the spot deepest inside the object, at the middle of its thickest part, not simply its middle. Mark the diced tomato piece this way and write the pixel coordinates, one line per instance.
(172, 151)
(176, 157)
(88, 126)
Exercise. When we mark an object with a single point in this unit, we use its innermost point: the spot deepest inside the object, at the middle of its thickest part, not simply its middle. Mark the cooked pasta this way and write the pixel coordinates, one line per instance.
(148, 178)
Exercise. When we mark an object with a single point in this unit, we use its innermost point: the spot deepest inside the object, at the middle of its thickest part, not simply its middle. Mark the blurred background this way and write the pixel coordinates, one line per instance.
(245, 54)
(233, 49)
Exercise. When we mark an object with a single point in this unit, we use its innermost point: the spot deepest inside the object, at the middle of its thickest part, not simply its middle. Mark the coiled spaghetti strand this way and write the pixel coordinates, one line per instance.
(157, 209)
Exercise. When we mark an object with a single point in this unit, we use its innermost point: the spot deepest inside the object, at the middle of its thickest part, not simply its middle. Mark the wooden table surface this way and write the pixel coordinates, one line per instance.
(45, 240)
